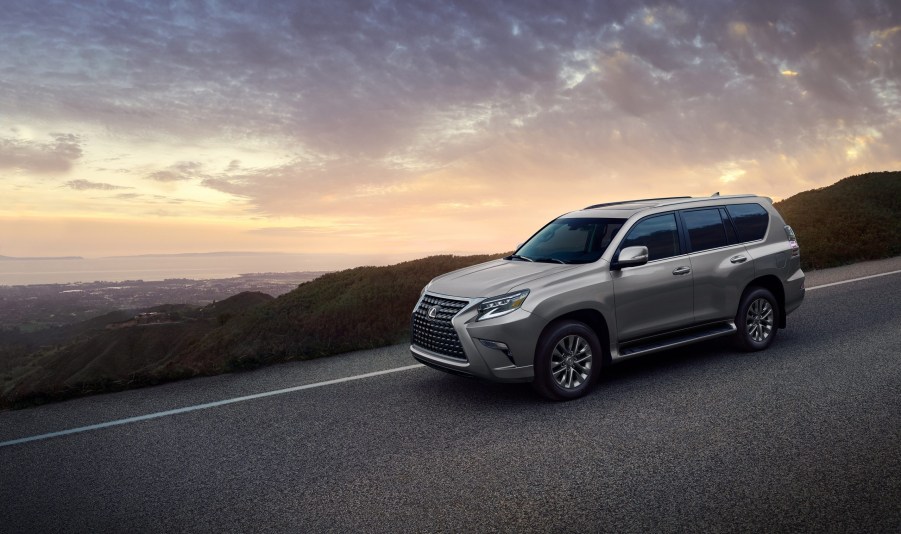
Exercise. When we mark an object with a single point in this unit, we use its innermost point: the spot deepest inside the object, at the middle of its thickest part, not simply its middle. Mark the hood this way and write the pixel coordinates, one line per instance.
(492, 278)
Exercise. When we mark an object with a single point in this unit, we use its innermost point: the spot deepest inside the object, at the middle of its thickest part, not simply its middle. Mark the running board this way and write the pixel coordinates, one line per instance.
(676, 339)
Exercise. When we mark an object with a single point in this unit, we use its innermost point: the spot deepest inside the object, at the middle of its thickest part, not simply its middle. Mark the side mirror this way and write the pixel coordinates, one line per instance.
(631, 257)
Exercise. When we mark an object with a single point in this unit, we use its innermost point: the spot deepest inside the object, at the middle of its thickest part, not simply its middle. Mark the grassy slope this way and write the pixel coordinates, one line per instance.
(855, 219)
(99, 358)
(355, 309)
(338, 312)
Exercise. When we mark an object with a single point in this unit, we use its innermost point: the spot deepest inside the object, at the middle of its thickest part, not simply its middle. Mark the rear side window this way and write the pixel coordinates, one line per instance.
(705, 229)
(730, 231)
(658, 233)
(751, 221)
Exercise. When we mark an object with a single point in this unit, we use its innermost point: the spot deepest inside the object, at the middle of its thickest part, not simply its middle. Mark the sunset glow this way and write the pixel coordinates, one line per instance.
(419, 128)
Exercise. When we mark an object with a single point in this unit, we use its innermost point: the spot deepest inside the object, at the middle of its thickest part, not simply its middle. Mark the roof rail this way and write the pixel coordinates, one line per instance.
(631, 201)
(711, 197)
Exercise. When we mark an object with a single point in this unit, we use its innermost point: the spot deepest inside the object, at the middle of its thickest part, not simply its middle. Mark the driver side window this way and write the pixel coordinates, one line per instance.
(659, 233)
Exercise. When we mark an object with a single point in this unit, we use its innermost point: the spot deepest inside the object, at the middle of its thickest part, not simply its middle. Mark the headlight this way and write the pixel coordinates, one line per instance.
(502, 305)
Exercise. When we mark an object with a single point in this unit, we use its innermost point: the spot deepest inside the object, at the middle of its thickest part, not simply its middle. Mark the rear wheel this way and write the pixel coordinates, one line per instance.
(568, 361)
(757, 319)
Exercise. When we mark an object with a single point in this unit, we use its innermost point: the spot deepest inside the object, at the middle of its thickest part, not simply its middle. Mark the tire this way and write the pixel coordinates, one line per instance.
(568, 361)
(757, 320)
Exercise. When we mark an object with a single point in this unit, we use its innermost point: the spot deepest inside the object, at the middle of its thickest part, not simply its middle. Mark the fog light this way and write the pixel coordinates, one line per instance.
(497, 345)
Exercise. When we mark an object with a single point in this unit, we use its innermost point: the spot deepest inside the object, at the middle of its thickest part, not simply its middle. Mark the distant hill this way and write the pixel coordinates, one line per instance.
(237, 304)
(354, 309)
(117, 350)
(348, 310)
(855, 219)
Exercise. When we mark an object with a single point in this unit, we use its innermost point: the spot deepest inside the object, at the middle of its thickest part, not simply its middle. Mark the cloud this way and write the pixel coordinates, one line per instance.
(302, 231)
(85, 185)
(518, 90)
(183, 170)
(352, 79)
(56, 156)
(155, 199)
(314, 186)
(416, 108)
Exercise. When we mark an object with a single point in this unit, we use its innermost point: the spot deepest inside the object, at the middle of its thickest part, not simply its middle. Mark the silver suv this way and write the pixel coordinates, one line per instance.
(613, 281)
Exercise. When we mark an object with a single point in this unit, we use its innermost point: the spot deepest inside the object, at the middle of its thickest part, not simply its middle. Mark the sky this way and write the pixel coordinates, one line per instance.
(419, 127)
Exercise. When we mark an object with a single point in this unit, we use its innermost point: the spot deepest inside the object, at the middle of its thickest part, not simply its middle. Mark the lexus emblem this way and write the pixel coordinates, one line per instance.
(433, 312)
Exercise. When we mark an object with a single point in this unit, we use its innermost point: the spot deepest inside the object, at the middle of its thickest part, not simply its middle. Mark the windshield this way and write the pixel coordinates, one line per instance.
(576, 240)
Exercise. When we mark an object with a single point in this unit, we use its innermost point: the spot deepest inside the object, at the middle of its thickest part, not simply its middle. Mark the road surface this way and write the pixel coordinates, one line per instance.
(803, 437)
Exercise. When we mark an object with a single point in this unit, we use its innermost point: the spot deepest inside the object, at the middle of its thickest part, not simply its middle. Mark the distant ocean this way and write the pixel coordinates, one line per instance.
(162, 267)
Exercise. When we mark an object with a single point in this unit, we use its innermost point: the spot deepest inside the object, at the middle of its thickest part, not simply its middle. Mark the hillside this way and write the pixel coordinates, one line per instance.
(338, 312)
(117, 350)
(857, 218)
(348, 310)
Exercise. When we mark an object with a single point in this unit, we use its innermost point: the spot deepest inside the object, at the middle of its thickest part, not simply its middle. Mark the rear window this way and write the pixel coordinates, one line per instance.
(705, 229)
(751, 221)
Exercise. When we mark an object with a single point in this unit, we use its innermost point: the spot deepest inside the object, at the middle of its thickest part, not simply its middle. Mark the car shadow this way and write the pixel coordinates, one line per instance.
(650, 369)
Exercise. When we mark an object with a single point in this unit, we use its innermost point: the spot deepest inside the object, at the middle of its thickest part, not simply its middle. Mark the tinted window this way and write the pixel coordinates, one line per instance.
(751, 221)
(705, 229)
(730, 230)
(658, 233)
(571, 240)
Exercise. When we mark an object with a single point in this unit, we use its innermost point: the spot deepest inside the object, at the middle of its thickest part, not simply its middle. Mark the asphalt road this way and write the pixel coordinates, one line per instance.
(803, 437)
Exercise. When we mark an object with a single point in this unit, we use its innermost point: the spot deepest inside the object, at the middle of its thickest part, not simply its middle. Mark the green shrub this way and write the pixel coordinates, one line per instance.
(855, 219)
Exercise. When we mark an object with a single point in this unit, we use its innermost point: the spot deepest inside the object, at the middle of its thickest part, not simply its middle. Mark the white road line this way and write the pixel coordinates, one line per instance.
(156, 415)
(821, 286)
(166, 413)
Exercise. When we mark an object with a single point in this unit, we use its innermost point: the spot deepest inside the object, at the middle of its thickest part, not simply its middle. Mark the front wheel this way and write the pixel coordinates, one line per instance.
(568, 361)
(757, 317)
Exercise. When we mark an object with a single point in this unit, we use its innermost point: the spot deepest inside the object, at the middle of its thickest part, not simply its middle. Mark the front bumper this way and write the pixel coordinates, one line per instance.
(519, 331)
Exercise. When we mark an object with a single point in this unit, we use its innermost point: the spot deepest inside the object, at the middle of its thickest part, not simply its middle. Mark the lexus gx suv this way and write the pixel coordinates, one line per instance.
(610, 282)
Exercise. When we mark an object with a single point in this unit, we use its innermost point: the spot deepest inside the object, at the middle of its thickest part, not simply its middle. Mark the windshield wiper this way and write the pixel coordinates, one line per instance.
(548, 260)
(518, 257)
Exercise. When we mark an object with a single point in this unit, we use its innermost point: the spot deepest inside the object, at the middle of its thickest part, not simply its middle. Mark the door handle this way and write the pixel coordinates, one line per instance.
(681, 270)
(738, 259)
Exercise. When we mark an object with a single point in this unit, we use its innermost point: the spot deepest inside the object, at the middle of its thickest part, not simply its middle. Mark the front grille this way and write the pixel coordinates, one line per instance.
(437, 334)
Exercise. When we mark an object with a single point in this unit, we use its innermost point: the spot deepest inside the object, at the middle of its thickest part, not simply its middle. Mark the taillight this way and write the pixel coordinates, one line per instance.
(792, 241)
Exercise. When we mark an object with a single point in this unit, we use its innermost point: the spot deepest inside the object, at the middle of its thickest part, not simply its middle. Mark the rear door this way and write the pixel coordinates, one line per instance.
(721, 265)
(657, 296)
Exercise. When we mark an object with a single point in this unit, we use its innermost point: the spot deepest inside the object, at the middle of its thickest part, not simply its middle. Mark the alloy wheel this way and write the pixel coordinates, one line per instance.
(571, 361)
(760, 320)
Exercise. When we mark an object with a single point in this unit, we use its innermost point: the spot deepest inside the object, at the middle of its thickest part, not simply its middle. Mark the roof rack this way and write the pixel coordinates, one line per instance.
(631, 201)
(711, 197)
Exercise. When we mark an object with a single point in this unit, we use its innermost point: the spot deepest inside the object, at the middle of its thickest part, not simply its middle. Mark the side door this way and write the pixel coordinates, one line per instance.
(721, 265)
(657, 296)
